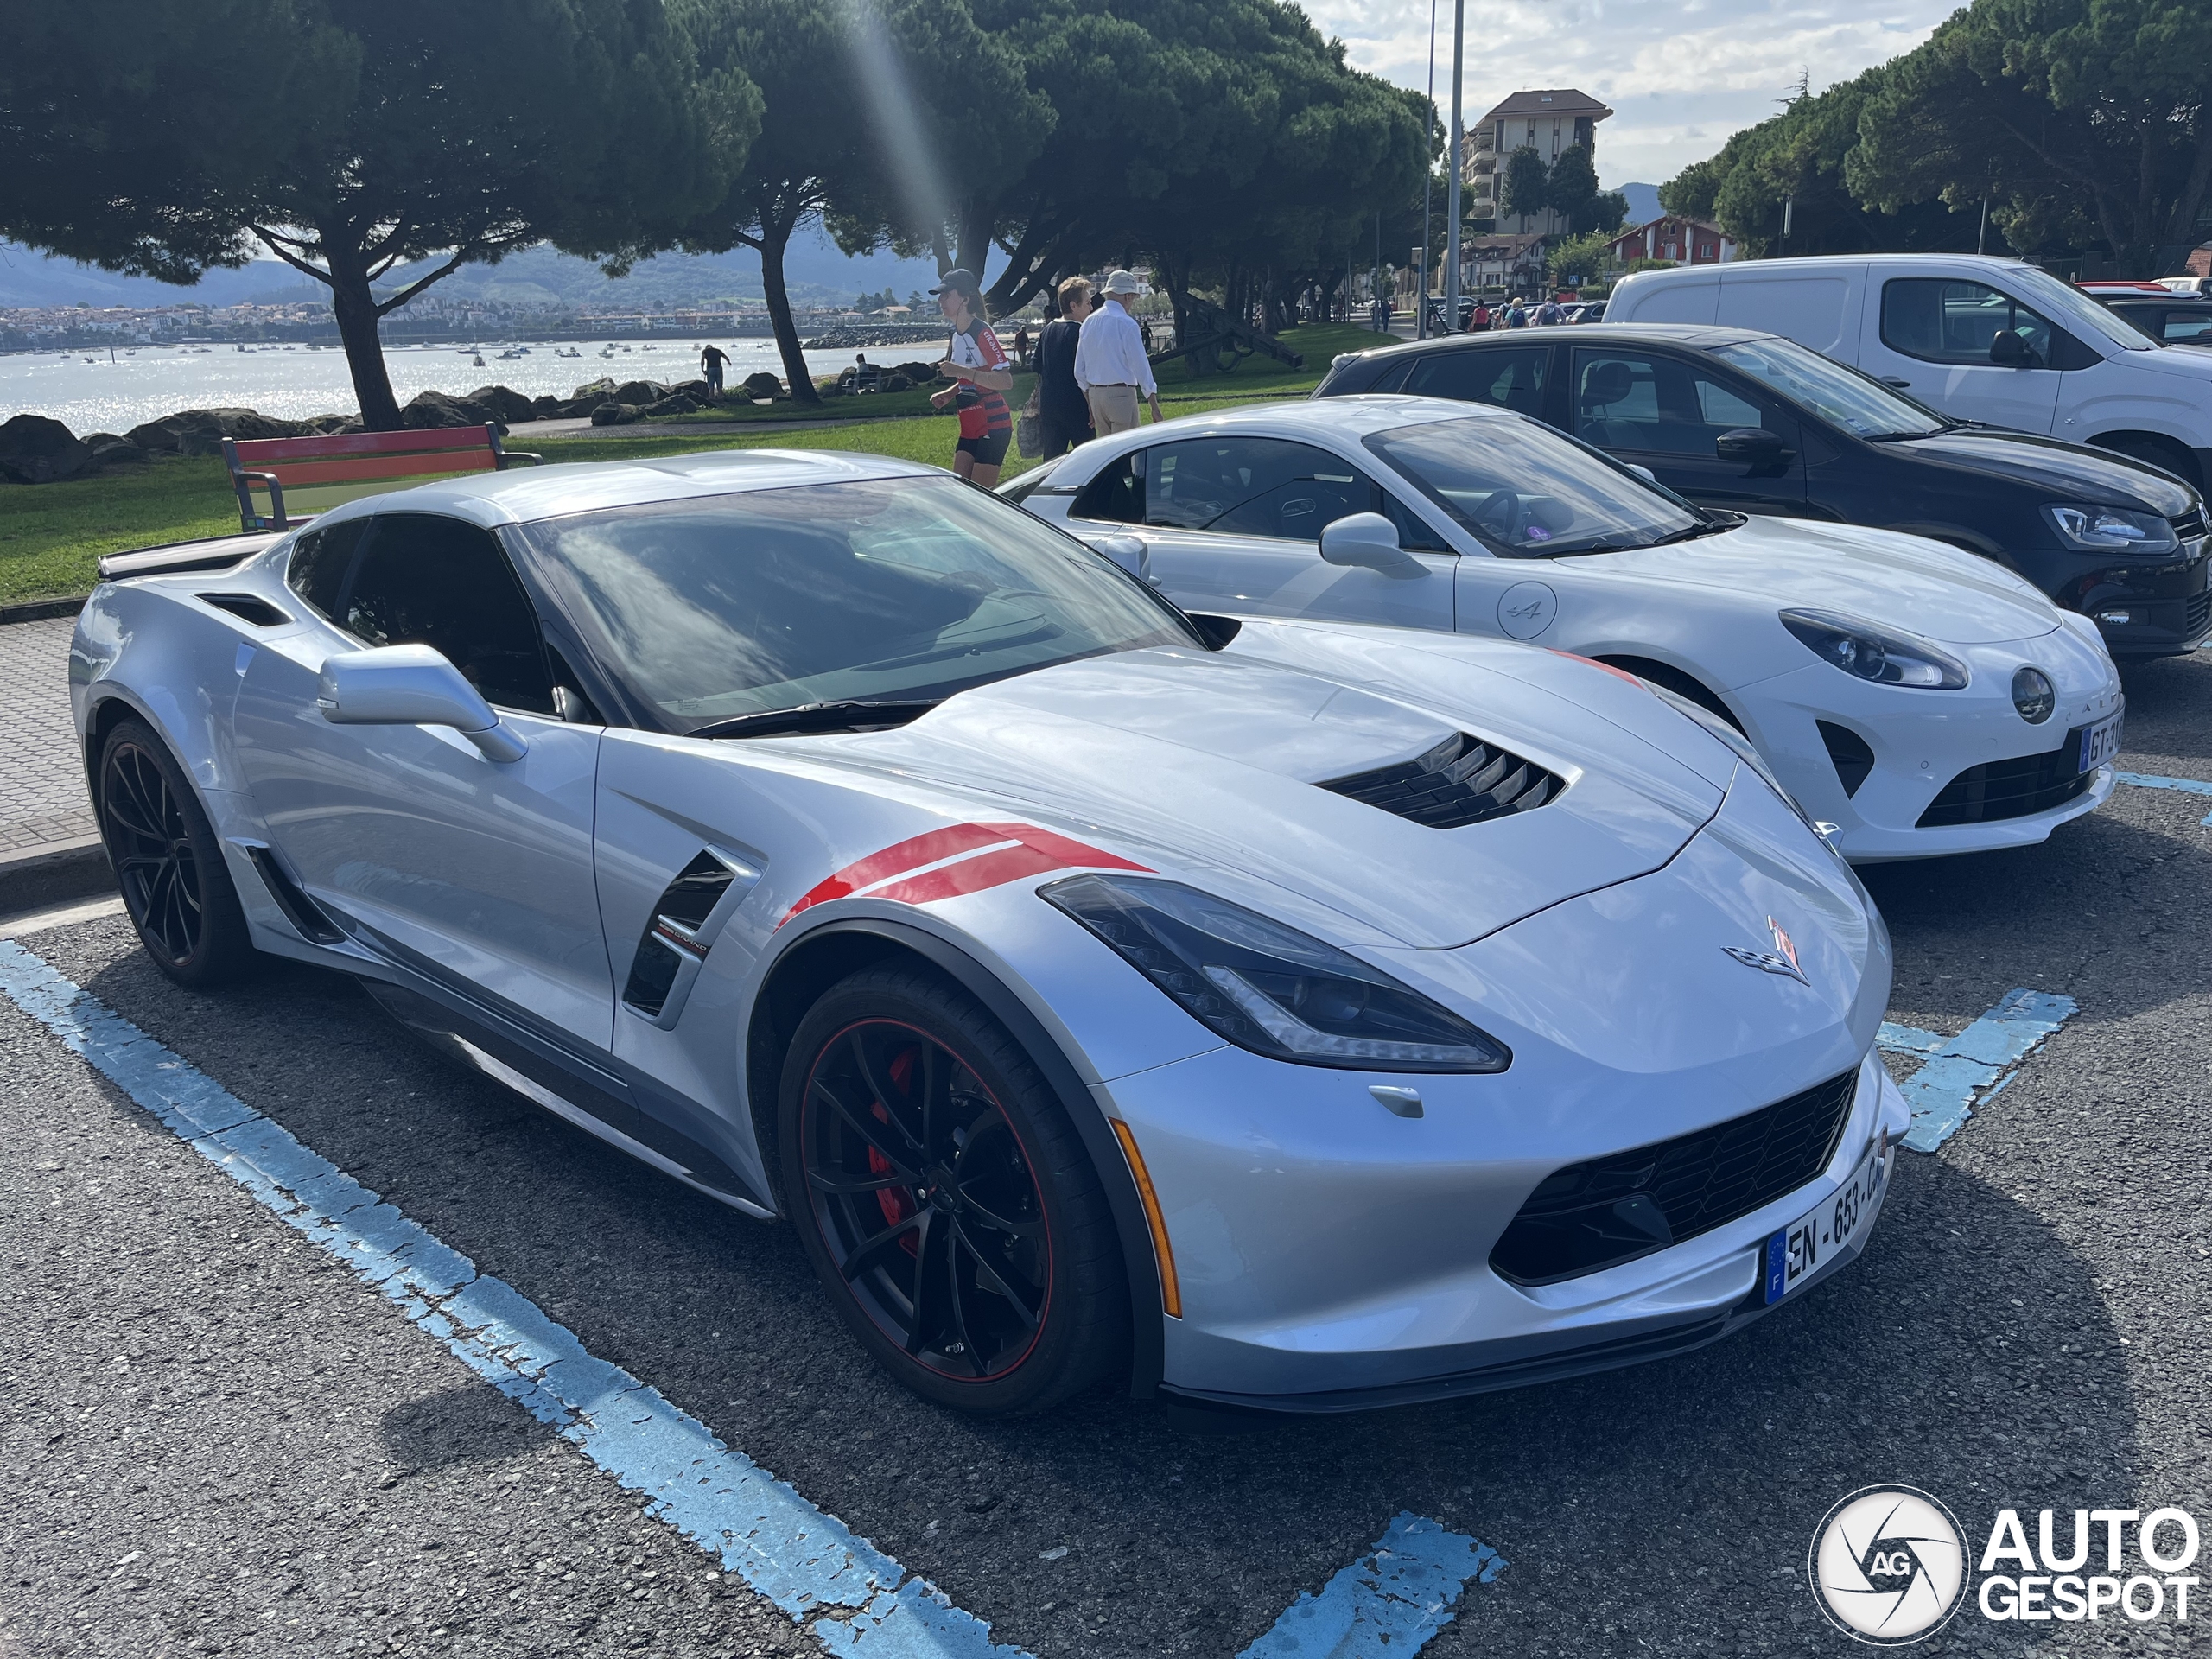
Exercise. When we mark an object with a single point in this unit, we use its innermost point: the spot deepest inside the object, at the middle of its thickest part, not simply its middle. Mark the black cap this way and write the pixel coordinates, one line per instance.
(963, 280)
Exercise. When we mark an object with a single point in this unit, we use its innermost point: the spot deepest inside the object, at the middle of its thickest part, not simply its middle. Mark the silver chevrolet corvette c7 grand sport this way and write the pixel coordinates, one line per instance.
(1285, 1014)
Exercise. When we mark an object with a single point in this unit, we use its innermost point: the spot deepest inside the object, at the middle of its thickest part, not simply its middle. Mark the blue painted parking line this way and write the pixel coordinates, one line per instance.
(1386, 1604)
(2152, 780)
(852, 1597)
(1908, 1040)
(1966, 1070)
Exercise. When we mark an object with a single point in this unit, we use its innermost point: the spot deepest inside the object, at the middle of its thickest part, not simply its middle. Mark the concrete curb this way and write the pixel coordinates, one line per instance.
(42, 610)
(53, 873)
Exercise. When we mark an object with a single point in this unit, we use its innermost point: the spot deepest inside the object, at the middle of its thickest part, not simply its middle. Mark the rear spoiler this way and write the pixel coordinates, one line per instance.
(208, 553)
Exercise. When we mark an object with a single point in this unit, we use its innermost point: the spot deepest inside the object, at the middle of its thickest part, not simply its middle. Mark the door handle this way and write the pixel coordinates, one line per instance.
(1892, 380)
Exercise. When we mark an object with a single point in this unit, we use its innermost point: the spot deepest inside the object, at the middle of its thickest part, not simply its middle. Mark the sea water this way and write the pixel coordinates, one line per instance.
(141, 383)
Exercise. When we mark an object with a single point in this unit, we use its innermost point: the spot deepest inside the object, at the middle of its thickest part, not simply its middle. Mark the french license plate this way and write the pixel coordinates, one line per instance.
(1798, 1249)
(2100, 744)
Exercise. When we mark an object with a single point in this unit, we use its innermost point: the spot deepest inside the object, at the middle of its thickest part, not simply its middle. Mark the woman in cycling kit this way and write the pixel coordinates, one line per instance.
(981, 372)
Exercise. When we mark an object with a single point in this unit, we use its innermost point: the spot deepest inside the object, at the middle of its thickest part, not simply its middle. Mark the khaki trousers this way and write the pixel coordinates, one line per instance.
(1113, 408)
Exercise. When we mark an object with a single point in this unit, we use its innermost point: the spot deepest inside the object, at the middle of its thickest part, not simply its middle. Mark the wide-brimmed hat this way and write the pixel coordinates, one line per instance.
(1120, 281)
(962, 281)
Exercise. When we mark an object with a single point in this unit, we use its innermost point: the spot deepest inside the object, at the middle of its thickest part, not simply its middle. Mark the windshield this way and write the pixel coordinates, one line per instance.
(1857, 402)
(890, 589)
(2062, 303)
(1529, 493)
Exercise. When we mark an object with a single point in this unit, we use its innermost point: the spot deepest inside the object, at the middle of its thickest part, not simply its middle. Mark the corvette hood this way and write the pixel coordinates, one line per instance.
(1206, 765)
(1906, 582)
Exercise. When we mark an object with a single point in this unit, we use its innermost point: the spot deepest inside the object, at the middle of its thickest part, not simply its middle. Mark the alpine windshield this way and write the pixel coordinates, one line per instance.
(1528, 492)
(884, 591)
(1859, 404)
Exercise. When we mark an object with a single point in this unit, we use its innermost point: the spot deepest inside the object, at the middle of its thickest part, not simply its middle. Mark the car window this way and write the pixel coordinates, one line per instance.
(1655, 405)
(1946, 321)
(425, 580)
(1250, 486)
(1117, 494)
(1856, 402)
(321, 558)
(1413, 533)
(2186, 325)
(1509, 379)
(885, 589)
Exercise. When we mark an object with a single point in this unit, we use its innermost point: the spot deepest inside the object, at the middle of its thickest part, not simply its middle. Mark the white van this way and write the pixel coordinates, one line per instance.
(1984, 339)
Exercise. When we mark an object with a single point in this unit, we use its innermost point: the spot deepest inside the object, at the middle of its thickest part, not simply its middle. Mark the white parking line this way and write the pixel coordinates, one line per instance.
(852, 1597)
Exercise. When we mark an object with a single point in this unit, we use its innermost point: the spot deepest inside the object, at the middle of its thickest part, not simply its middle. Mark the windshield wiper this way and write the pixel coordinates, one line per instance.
(849, 715)
(1709, 528)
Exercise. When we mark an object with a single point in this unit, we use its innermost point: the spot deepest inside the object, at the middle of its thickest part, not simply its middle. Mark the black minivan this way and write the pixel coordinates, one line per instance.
(1753, 422)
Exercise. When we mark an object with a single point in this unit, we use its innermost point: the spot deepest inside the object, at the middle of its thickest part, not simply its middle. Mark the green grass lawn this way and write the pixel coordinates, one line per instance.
(52, 535)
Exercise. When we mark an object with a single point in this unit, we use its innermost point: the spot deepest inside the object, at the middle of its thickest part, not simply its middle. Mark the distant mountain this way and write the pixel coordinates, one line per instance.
(1642, 203)
(814, 267)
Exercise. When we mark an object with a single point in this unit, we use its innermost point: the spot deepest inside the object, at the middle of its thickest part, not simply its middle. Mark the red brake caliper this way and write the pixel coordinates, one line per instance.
(897, 1202)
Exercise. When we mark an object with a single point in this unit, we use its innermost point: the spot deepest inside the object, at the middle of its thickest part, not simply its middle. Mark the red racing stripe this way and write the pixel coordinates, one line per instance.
(879, 867)
(1039, 850)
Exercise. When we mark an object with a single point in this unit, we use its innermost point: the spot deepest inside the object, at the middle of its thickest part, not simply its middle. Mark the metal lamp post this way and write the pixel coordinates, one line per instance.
(1452, 190)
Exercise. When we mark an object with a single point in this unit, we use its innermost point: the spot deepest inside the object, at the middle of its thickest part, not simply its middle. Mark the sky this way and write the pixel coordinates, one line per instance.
(1681, 75)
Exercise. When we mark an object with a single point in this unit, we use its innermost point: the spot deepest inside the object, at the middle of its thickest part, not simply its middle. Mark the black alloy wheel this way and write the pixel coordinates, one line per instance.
(945, 1200)
(168, 862)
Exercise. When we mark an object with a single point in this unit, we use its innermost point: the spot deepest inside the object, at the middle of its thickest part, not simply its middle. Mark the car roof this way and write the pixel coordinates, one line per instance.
(526, 494)
(1700, 334)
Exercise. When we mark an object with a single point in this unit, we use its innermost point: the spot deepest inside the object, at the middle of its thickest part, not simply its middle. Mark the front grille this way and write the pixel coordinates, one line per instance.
(1611, 1209)
(2018, 788)
(1462, 780)
(2190, 525)
(1848, 754)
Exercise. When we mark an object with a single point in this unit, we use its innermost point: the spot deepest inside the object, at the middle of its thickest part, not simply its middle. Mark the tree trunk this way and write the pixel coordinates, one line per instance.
(775, 236)
(355, 308)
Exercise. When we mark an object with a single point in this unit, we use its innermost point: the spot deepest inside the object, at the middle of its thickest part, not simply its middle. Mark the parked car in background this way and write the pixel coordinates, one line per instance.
(1104, 995)
(2170, 316)
(1753, 422)
(1917, 700)
(1993, 341)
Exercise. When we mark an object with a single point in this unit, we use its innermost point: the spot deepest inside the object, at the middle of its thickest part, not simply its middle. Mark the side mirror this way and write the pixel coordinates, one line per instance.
(1369, 541)
(411, 685)
(1643, 473)
(1751, 445)
(1127, 551)
(2009, 350)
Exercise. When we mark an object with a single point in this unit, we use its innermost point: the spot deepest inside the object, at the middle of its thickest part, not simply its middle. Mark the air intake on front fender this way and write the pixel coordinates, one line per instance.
(681, 931)
(1462, 780)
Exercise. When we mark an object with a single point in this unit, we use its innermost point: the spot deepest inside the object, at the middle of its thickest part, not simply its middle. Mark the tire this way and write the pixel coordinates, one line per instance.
(916, 1137)
(168, 863)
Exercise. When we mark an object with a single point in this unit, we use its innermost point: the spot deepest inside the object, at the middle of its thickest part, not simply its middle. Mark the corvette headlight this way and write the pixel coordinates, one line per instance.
(1268, 988)
(2112, 529)
(1870, 652)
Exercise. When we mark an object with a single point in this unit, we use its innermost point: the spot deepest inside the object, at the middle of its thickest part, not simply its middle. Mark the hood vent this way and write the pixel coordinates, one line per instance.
(1462, 780)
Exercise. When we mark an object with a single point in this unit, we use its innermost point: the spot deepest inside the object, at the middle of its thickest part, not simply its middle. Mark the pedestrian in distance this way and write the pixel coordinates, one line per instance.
(1109, 361)
(1478, 319)
(711, 361)
(981, 374)
(1550, 313)
(1516, 313)
(1021, 344)
(1062, 412)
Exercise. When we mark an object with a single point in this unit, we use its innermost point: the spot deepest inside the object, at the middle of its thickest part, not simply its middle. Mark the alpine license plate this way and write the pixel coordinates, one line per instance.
(2100, 744)
(1798, 1249)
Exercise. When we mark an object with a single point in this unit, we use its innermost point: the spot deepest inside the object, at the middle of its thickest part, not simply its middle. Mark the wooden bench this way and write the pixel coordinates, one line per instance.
(321, 472)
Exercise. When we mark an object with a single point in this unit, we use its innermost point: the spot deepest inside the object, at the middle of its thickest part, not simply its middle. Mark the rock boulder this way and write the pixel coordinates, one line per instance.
(602, 388)
(109, 450)
(762, 385)
(613, 414)
(505, 402)
(201, 431)
(35, 450)
(431, 409)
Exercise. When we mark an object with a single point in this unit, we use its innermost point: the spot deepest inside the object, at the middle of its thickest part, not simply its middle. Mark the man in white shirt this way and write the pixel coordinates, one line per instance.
(1109, 360)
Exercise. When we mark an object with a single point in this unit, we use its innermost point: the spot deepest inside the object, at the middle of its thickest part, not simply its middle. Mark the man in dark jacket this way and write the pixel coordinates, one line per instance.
(1062, 411)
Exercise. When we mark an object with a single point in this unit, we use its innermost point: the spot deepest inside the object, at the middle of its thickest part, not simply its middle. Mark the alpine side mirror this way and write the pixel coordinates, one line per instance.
(1369, 541)
(1751, 445)
(411, 685)
(2009, 350)
(1127, 551)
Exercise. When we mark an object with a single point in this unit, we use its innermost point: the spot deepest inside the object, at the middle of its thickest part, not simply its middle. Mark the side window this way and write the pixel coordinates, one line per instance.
(1414, 535)
(1946, 321)
(2195, 326)
(435, 581)
(320, 560)
(1509, 379)
(1251, 487)
(1116, 495)
(1657, 405)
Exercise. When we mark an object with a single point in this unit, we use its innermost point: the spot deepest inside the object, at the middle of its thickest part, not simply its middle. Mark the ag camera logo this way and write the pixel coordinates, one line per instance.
(1889, 1565)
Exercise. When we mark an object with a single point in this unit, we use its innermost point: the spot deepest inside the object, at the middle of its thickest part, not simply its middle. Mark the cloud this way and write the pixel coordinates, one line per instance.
(1681, 77)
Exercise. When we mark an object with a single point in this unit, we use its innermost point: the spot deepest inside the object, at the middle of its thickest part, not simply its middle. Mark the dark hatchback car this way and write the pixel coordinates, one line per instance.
(2172, 319)
(1753, 422)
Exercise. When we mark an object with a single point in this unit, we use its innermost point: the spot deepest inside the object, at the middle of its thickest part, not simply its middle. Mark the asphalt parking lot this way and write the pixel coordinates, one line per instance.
(215, 1440)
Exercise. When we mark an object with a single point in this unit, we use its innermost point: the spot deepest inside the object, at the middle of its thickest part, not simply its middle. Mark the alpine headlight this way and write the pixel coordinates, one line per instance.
(1268, 988)
(1871, 651)
(2112, 529)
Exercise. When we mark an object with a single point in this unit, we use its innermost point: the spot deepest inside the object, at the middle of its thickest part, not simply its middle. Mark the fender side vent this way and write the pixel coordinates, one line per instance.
(1462, 780)
(1848, 754)
(676, 937)
(247, 608)
(304, 914)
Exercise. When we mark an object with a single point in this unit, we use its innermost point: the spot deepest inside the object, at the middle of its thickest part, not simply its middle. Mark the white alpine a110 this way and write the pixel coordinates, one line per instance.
(1283, 1014)
(1922, 700)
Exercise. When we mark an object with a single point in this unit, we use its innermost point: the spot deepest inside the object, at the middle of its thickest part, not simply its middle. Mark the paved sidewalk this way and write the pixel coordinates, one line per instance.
(42, 804)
